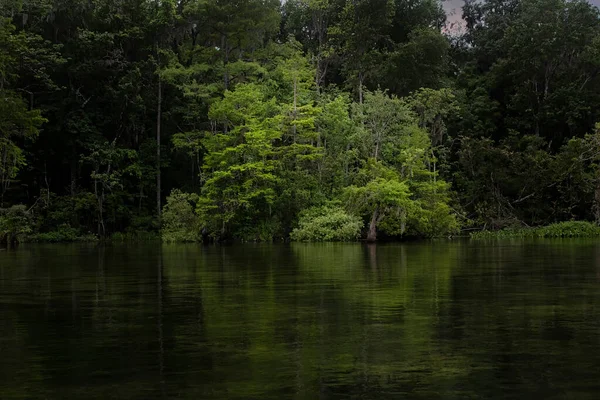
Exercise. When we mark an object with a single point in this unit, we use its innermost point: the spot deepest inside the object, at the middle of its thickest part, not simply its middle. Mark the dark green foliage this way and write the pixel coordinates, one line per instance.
(15, 224)
(528, 72)
(63, 233)
(134, 236)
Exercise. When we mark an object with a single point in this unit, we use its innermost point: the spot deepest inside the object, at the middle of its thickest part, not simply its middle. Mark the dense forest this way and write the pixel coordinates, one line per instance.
(261, 120)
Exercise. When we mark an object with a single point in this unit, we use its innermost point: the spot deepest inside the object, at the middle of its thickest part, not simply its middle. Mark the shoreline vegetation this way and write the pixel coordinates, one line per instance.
(268, 121)
(346, 233)
(567, 229)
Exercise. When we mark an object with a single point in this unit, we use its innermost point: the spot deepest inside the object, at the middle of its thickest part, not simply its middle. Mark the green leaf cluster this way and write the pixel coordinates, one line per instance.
(329, 223)
(567, 229)
(179, 220)
(15, 224)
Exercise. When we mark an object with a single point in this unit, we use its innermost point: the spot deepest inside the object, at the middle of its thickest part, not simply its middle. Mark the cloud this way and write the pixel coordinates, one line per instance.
(453, 9)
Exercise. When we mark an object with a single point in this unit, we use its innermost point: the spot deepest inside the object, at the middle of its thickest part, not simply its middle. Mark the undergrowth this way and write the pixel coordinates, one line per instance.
(568, 229)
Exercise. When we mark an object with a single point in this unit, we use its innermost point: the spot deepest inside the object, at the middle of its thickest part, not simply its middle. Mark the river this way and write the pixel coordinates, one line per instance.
(428, 320)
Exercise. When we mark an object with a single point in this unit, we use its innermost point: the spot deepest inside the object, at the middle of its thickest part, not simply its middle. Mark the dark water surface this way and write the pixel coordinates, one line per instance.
(436, 320)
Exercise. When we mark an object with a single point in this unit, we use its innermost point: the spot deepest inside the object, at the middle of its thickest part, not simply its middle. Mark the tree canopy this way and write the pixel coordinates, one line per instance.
(263, 120)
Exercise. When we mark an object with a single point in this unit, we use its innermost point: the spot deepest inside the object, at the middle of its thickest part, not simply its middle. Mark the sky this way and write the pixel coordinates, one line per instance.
(452, 8)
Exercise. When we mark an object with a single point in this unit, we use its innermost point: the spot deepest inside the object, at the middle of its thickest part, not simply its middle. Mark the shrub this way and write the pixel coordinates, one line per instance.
(568, 229)
(436, 221)
(261, 231)
(144, 223)
(179, 221)
(52, 211)
(503, 234)
(15, 224)
(327, 224)
(64, 233)
(134, 236)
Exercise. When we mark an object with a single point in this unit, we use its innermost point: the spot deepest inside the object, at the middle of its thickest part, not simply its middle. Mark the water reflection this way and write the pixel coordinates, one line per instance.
(447, 320)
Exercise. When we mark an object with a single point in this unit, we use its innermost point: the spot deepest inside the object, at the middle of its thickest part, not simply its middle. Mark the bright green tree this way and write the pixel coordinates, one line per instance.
(394, 188)
(240, 166)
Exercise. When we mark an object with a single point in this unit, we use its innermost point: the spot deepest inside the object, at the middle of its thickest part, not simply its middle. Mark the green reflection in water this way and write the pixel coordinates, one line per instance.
(436, 320)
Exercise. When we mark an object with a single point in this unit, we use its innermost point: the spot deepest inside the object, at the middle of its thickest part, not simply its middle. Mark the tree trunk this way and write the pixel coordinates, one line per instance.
(160, 307)
(99, 204)
(100, 197)
(73, 183)
(158, 121)
(360, 87)
(225, 50)
(318, 78)
(372, 235)
(295, 107)
(141, 198)
(597, 202)
(4, 176)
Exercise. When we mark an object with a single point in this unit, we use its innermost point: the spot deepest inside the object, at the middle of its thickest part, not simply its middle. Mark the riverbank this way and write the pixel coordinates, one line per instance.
(72, 236)
(567, 229)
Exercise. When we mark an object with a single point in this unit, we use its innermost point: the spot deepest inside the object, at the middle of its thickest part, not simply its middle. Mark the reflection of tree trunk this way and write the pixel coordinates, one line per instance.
(161, 349)
(74, 301)
(373, 256)
(322, 343)
(298, 361)
(100, 277)
(372, 235)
